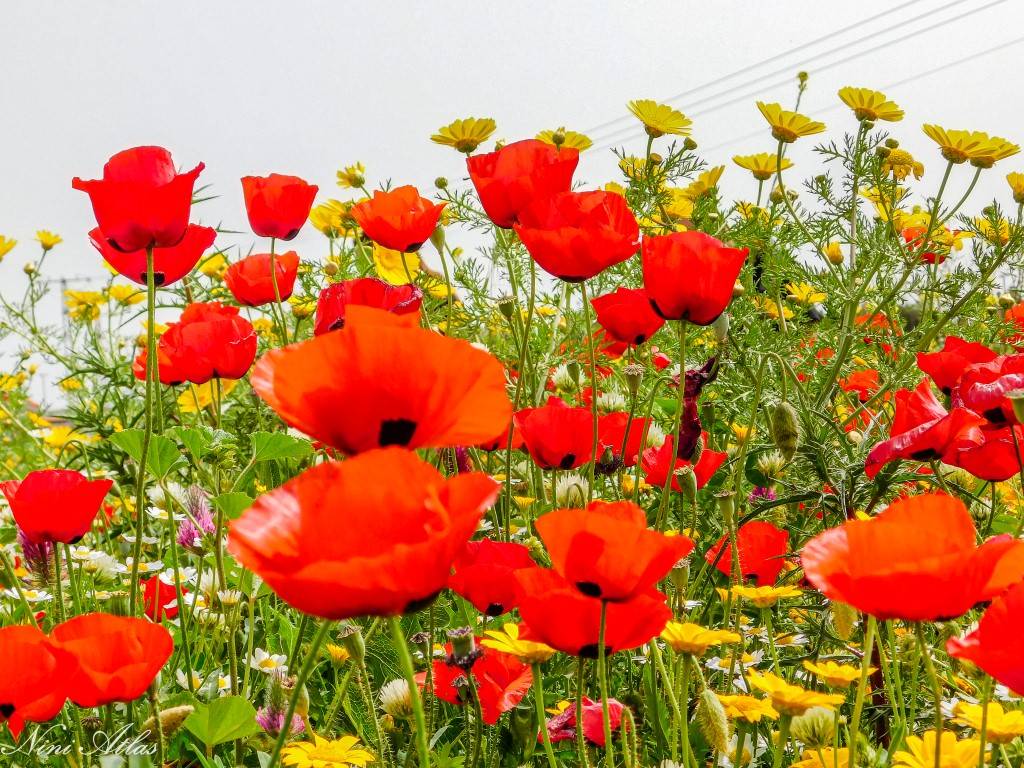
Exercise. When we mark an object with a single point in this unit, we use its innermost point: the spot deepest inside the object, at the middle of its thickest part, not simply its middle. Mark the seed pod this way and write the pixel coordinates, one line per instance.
(785, 430)
(687, 482)
(843, 618)
(712, 721)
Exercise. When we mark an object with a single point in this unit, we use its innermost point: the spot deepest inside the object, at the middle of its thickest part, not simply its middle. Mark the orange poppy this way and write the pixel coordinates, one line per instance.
(916, 561)
(607, 550)
(32, 673)
(373, 535)
(377, 383)
(398, 219)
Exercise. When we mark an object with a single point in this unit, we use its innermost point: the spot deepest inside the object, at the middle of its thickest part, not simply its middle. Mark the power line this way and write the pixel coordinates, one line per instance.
(759, 64)
(887, 86)
(619, 135)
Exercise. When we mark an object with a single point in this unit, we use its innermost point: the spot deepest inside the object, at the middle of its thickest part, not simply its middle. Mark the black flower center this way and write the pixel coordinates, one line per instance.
(6, 710)
(396, 432)
(589, 588)
(567, 461)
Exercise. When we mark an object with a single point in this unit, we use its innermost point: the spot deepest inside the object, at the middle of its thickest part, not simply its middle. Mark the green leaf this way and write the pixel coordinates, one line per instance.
(223, 720)
(129, 441)
(267, 446)
(233, 504)
(163, 455)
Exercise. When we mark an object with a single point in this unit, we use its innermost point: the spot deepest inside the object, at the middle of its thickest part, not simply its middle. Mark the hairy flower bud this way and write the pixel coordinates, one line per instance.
(711, 720)
(785, 430)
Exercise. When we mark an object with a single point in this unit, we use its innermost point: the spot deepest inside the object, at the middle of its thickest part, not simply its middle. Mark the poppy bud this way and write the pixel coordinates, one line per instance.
(573, 370)
(721, 328)
(464, 651)
(680, 575)
(738, 290)
(689, 144)
(441, 182)
(302, 704)
(815, 727)
(711, 719)
(437, 238)
(424, 642)
(507, 307)
(687, 482)
(352, 638)
(634, 373)
(726, 506)
(698, 450)
(785, 430)
(843, 618)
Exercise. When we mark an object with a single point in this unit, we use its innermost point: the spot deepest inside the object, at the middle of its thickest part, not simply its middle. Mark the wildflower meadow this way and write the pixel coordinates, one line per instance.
(519, 470)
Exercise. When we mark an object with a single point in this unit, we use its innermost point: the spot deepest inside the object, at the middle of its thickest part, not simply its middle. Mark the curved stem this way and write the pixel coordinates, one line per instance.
(312, 657)
(933, 677)
(592, 471)
(538, 703)
(602, 674)
(858, 704)
(405, 659)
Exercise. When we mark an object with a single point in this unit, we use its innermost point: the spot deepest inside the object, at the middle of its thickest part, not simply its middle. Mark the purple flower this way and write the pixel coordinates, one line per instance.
(38, 557)
(272, 721)
(761, 493)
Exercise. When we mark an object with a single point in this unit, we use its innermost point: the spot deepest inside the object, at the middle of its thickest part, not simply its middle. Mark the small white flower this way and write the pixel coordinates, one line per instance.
(571, 490)
(144, 567)
(612, 400)
(182, 678)
(79, 552)
(31, 595)
(396, 699)
(267, 662)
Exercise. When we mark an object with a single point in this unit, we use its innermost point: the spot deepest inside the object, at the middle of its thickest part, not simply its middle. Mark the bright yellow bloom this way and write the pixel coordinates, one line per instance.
(763, 165)
(764, 597)
(61, 436)
(920, 752)
(571, 139)
(687, 637)
(834, 252)
(465, 135)
(747, 708)
(332, 217)
(900, 164)
(84, 305)
(12, 381)
(327, 753)
(635, 167)
(960, 146)
(395, 267)
(741, 432)
(835, 675)
(679, 206)
(812, 758)
(788, 126)
(804, 293)
(302, 306)
(998, 235)
(791, 699)
(770, 307)
(70, 384)
(6, 245)
(125, 294)
(870, 105)
(704, 183)
(48, 239)
(352, 176)
(886, 201)
(200, 396)
(659, 119)
(1001, 726)
(338, 654)
(507, 640)
(1016, 182)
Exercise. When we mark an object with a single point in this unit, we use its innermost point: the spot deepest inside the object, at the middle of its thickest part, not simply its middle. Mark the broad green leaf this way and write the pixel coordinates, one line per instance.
(223, 720)
(162, 457)
(233, 504)
(278, 445)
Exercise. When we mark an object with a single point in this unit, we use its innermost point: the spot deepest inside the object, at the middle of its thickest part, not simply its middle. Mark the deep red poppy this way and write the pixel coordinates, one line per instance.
(922, 430)
(404, 523)
(690, 275)
(116, 657)
(169, 264)
(33, 671)
(501, 682)
(576, 235)
(556, 435)
(398, 219)
(500, 443)
(607, 550)
(512, 177)
(1015, 317)
(277, 205)
(916, 561)
(141, 201)
(995, 459)
(690, 429)
(558, 614)
(483, 574)
(160, 598)
(656, 462)
(401, 300)
(399, 386)
(612, 440)
(563, 725)
(947, 366)
(984, 387)
(627, 316)
(55, 504)
(863, 383)
(250, 282)
(209, 341)
(997, 645)
(762, 548)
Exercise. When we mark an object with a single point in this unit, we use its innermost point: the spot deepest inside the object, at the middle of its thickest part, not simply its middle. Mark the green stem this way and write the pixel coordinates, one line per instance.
(538, 703)
(602, 674)
(666, 488)
(592, 471)
(405, 659)
(862, 684)
(933, 677)
(312, 657)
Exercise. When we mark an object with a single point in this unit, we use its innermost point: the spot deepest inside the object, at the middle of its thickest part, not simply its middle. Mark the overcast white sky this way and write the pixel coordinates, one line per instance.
(254, 86)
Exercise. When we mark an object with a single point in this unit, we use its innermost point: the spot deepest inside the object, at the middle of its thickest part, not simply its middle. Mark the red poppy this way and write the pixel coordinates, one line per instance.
(483, 574)
(878, 327)
(32, 675)
(250, 281)
(160, 598)
(863, 383)
(169, 264)
(558, 614)
(1015, 316)
(690, 429)
(576, 235)
(916, 561)
(209, 341)
(612, 440)
(141, 201)
(607, 550)
(378, 383)
(501, 681)
(997, 645)
(995, 459)
(398, 219)
(762, 548)
(401, 300)
(627, 316)
(512, 177)
(947, 366)
(690, 275)
(404, 523)
(500, 443)
(922, 430)
(563, 726)
(277, 205)
(55, 504)
(556, 435)
(116, 657)
(938, 250)
(984, 387)
(655, 463)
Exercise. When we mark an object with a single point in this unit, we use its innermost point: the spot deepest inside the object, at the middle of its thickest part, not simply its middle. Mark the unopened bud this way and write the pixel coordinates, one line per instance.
(330, 269)
(843, 618)
(352, 638)
(437, 238)
(891, 143)
(441, 182)
(738, 289)
(1016, 398)
(687, 482)
(171, 720)
(721, 328)
(785, 430)
(689, 144)
(713, 723)
(634, 374)
(814, 728)
(507, 307)
(726, 506)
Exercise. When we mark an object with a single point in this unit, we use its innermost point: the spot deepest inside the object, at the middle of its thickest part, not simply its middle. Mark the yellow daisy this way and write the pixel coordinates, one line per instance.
(835, 675)
(466, 134)
(1001, 726)
(920, 752)
(352, 176)
(507, 640)
(804, 293)
(327, 753)
(215, 266)
(900, 164)
(704, 183)
(788, 126)
(791, 699)
(1016, 182)
(763, 165)
(395, 267)
(826, 757)
(48, 239)
(978, 147)
(765, 597)
(747, 708)
(659, 119)
(870, 105)
(6, 245)
(687, 637)
(564, 138)
(125, 295)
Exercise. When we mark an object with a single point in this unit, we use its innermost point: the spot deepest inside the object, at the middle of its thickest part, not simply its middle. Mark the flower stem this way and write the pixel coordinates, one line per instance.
(592, 471)
(666, 489)
(858, 704)
(312, 656)
(929, 668)
(405, 659)
(538, 702)
(602, 674)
